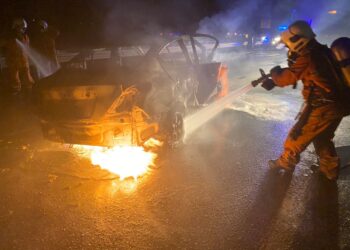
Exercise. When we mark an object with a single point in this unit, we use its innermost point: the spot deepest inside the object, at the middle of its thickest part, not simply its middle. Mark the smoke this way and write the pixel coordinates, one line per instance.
(269, 106)
(44, 65)
(327, 17)
(234, 18)
(131, 20)
(330, 17)
(135, 22)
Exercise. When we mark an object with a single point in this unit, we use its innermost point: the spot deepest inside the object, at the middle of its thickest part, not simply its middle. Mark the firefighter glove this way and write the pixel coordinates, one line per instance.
(268, 84)
(292, 57)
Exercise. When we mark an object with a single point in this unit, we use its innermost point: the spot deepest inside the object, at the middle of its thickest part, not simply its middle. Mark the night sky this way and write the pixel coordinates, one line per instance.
(95, 21)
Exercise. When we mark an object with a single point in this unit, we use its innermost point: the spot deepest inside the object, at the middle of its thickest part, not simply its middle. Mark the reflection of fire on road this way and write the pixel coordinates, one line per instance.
(122, 160)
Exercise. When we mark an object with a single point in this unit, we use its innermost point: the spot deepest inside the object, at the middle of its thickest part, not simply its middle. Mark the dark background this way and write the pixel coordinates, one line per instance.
(91, 23)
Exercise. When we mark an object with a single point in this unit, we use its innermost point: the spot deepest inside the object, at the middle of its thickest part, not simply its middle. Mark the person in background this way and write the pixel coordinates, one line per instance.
(43, 40)
(16, 58)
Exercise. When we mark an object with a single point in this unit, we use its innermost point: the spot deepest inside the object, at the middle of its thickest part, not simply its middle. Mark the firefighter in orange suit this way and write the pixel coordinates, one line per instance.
(16, 59)
(310, 62)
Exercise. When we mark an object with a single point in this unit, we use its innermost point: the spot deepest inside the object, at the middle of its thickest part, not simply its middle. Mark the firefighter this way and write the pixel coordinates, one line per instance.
(310, 62)
(16, 58)
(43, 41)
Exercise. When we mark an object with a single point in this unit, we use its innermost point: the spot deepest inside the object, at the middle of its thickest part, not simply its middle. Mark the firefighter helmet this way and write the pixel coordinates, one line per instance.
(341, 50)
(19, 24)
(297, 36)
(43, 25)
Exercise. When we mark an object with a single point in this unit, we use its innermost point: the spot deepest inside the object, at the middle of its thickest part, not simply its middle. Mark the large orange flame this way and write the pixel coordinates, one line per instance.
(125, 161)
(122, 160)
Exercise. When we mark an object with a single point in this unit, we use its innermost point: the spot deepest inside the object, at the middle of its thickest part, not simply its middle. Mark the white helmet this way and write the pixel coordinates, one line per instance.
(43, 25)
(297, 36)
(19, 24)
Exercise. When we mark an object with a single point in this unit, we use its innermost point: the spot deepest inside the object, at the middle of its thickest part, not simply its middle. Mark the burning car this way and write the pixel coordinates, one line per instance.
(129, 95)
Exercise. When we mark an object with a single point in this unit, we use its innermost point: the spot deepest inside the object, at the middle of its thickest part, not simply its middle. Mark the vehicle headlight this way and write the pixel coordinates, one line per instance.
(276, 40)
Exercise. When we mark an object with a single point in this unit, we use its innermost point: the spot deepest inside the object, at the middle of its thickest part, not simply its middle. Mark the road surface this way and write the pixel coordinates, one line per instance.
(215, 192)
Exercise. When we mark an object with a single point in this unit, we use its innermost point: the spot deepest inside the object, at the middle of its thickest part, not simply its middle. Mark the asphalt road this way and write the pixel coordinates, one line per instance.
(215, 192)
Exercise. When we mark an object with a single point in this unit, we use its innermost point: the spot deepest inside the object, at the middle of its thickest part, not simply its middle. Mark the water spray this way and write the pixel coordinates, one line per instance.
(196, 120)
(41, 63)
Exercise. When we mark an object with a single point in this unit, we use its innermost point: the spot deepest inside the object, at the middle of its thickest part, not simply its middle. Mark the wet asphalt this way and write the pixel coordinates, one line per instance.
(214, 192)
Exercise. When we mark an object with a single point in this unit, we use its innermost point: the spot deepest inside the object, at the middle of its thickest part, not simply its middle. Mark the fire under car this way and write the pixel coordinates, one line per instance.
(134, 94)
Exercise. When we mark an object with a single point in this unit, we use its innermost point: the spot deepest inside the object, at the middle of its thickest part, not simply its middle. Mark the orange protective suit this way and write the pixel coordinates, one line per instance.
(321, 116)
(17, 63)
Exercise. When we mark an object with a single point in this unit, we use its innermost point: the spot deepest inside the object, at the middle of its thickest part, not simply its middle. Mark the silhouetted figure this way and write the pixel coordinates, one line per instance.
(16, 59)
(43, 40)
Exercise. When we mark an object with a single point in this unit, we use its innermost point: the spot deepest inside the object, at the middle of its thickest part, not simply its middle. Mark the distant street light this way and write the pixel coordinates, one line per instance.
(332, 12)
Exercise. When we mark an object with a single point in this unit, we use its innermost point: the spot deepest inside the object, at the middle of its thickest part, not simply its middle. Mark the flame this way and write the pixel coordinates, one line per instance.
(153, 143)
(125, 161)
(122, 160)
(223, 78)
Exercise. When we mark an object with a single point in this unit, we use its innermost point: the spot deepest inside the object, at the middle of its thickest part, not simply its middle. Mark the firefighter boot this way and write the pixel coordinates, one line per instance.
(280, 164)
(330, 168)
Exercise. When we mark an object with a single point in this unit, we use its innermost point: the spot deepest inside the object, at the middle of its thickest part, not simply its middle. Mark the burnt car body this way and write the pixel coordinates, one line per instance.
(129, 95)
